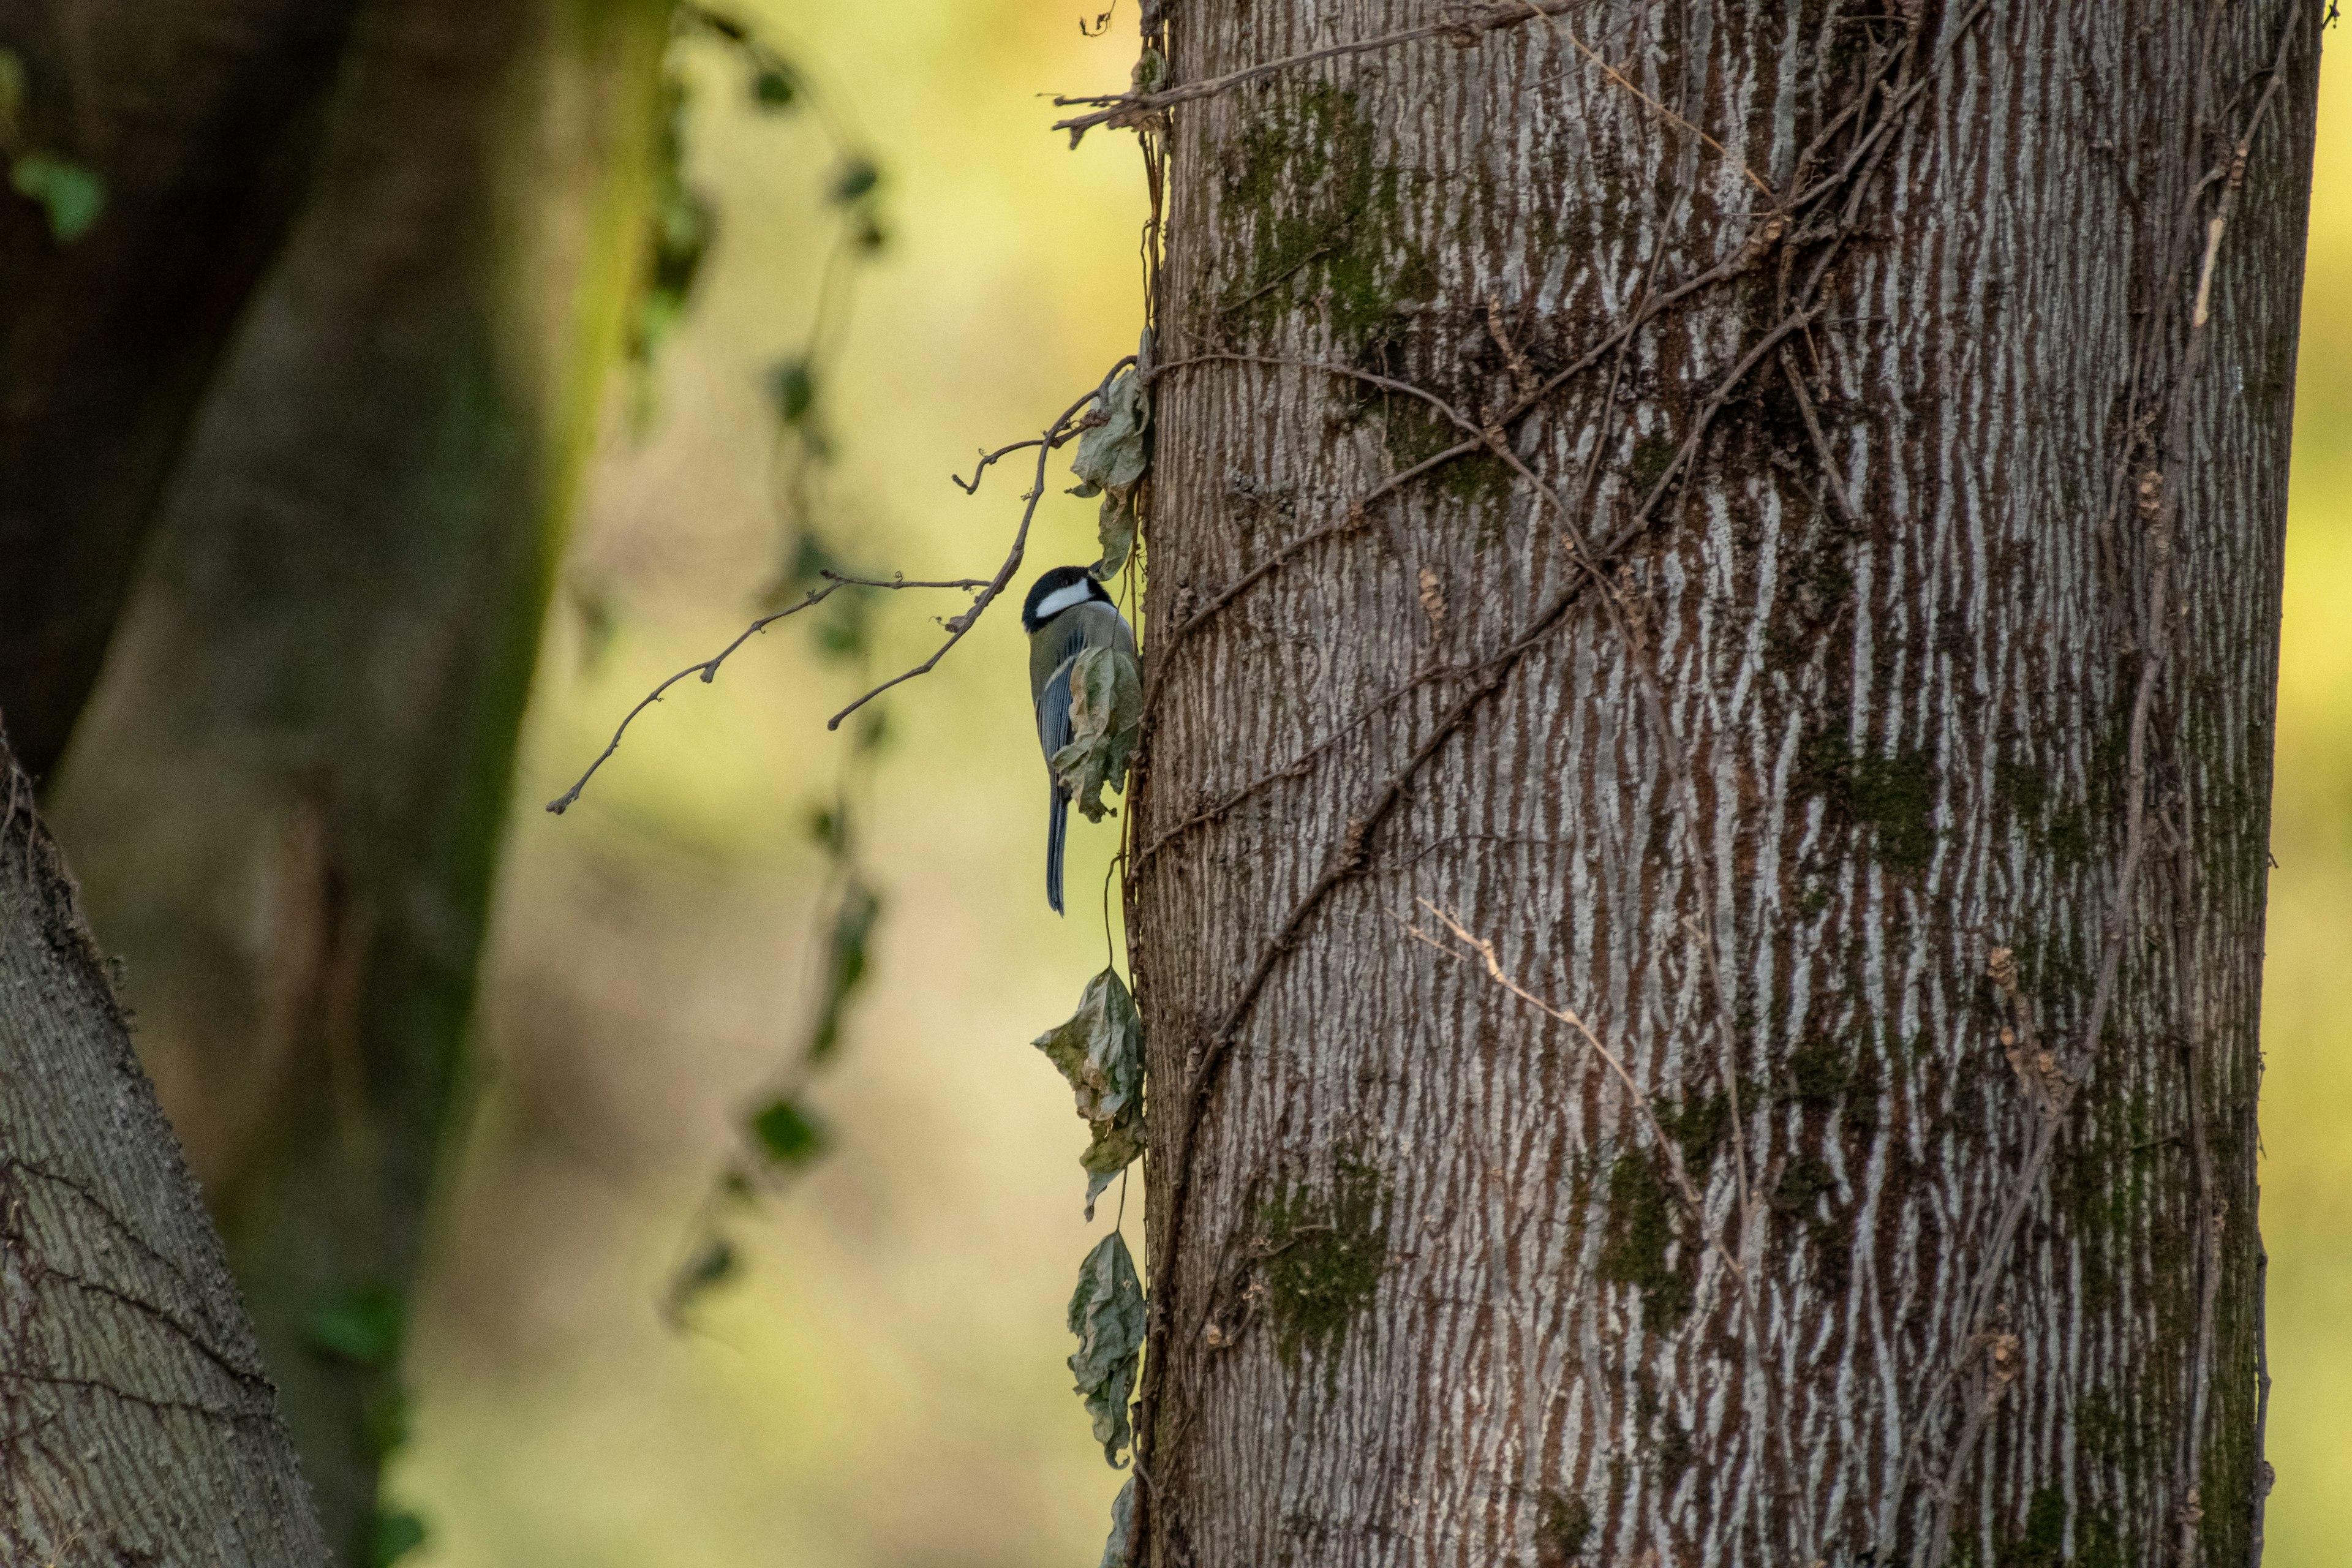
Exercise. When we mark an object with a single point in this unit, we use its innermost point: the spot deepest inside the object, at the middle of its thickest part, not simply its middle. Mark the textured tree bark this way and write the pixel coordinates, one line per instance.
(1851, 700)
(287, 799)
(135, 1423)
(201, 117)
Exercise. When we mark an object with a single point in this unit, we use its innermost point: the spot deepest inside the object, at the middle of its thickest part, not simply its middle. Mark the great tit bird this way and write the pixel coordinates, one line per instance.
(1068, 613)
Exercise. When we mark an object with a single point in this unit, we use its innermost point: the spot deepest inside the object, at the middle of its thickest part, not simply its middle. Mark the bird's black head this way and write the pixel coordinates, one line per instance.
(1062, 588)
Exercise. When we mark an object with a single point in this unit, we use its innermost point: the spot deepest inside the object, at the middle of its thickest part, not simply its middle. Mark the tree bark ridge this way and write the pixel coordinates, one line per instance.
(135, 1423)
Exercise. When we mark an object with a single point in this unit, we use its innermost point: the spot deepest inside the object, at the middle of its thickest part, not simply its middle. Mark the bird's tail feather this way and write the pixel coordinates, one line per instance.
(1057, 828)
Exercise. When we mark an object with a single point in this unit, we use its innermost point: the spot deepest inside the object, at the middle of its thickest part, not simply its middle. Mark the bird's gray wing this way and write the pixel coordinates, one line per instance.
(1053, 707)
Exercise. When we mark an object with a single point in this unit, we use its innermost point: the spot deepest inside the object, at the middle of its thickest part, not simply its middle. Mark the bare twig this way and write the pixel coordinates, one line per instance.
(708, 670)
(2212, 1211)
(1068, 431)
(1832, 478)
(970, 487)
(1121, 109)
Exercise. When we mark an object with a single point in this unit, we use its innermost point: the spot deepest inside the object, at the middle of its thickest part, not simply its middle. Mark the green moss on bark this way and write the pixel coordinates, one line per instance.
(1324, 220)
(1324, 1253)
(1639, 1235)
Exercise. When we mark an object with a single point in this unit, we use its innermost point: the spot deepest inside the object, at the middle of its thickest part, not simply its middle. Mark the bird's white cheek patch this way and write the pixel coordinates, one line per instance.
(1061, 599)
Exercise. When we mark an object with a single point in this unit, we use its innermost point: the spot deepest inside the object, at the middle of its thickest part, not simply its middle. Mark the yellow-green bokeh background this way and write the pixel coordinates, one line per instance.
(884, 1386)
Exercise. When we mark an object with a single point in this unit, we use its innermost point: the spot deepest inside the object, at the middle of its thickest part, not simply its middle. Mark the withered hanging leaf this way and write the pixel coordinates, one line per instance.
(1112, 455)
(1122, 1526)
(1116, 1145)
(1107, 1314)
(1106, 717)
(1116, 530)
(1100, 1051)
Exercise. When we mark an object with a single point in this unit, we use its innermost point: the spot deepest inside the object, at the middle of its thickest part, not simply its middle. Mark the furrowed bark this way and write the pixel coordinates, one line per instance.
(1892, 802)
(202, 116)
(135, 1423)
(289, 795)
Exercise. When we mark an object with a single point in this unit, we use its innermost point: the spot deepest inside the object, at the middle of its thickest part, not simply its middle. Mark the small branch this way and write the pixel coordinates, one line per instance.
(1670, 1152)
(972, 486)
(708, 670)
(1834, 479)
(1050, 441)
(1123, 108)
(1060, 430)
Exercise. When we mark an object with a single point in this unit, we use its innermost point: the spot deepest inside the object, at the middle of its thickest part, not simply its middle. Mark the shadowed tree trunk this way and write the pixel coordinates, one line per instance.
(287, 796)
(1834, 665)
(135, 1423)
(202, 117)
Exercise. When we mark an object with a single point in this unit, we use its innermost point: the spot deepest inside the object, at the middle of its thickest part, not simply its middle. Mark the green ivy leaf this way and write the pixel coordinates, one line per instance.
(787, 1134)
(74, 196)
(363, 1326)
(1105, 718)
(773, 89)
(1122, 1526)
(852, 923)
(1107, 1314)
(1099, 1050)
(713, 1264)
(856, 178)
(791, 386)
(394, 1535)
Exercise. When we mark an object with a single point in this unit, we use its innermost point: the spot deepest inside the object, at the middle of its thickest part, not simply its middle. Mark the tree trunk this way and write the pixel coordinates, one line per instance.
(1850, 698)
(287, 797)
(135, 1423)
(202, 117)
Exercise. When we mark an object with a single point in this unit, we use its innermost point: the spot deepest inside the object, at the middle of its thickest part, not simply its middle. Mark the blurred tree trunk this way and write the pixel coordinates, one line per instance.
(136, 1425)
(287, 797)
(201, 117)
(1813, 787)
